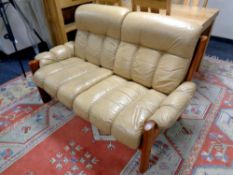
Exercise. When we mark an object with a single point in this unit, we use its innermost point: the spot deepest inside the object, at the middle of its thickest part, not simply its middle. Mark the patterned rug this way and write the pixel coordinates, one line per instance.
(48, 139)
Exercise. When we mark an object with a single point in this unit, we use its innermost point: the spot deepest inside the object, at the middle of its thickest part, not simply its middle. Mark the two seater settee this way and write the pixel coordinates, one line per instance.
(124, 72)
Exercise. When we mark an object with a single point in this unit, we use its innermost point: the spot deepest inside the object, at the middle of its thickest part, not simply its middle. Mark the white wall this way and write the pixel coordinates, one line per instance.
(224, 24)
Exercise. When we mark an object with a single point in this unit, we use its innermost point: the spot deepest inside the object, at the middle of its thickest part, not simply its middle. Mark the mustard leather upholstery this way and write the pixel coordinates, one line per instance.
(123, 69)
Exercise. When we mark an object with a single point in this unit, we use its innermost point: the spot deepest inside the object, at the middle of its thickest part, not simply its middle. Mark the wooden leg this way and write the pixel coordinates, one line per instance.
(151, 131)
(199, 52)
(34, 66)
(44, 95)
(179, 118)
(207, 33)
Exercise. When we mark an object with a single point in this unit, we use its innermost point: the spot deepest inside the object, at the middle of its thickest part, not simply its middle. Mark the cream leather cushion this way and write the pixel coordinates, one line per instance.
(56, 54)
(71, 81)
(68, 78)
(50, 69)
(155, 50)
(118, 107)
(99, 33)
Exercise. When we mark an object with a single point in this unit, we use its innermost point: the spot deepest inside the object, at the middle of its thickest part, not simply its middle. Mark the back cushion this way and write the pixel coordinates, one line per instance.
(155, 50)
(99, 33)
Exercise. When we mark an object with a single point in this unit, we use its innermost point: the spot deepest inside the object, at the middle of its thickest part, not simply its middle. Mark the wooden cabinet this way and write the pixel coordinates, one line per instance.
(60, 17)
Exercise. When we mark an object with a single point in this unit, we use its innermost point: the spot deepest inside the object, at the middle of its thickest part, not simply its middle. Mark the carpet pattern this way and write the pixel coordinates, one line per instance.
(46, 139)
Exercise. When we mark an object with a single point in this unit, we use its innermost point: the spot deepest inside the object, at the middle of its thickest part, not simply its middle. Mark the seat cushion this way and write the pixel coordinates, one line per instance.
(68, 91)
(45, 71)
(67, 75)
(118, 107)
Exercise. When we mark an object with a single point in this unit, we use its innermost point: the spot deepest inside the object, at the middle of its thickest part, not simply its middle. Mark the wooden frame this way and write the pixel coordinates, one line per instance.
(109, 2)
(195, 2)
(34, 66)
(152, 5)
(150, 133)
(151, 130)
(198, 55)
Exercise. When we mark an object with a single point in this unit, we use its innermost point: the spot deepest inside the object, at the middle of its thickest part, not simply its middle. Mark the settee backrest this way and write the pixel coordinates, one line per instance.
(99, 33)
(155, 50)
(150, 49)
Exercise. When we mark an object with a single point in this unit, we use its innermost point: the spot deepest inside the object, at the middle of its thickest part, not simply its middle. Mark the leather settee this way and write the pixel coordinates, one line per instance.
(125, 72)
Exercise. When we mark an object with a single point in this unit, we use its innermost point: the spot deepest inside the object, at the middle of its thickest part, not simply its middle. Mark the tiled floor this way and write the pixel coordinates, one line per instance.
(9, 67)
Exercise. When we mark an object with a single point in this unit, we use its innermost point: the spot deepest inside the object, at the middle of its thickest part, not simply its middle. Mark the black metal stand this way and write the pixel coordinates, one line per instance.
(10, 34)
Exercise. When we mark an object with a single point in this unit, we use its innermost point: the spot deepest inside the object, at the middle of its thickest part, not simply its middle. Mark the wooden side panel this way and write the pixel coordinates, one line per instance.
(53, 10)
(198, 55)
(196, 2)
(34, 66)
(152, 5)
(151, 131)
(109, 2)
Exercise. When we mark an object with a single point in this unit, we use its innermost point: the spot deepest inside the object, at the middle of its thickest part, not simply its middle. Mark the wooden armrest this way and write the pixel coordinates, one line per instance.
(150, 132)
(34, 65)
(198, 55)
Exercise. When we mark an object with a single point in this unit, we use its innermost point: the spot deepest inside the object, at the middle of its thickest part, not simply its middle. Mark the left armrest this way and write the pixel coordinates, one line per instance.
(174, 105)
(56, 54)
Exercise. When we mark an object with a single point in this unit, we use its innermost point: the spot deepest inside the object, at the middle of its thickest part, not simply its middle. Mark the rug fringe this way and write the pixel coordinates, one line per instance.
(217, 59)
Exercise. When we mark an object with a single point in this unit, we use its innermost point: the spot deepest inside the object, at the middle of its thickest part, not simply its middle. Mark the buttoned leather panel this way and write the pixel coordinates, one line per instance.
(68, 91)
(84, 102)
(162, 33)
(55, 54)
(104, 112)
(128, 126)
(45, 71)
(100, 19)
(173, 106)
(54, 81)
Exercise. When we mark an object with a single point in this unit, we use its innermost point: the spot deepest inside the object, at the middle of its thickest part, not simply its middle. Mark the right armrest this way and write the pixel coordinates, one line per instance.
(173, 106)
(56, 54)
